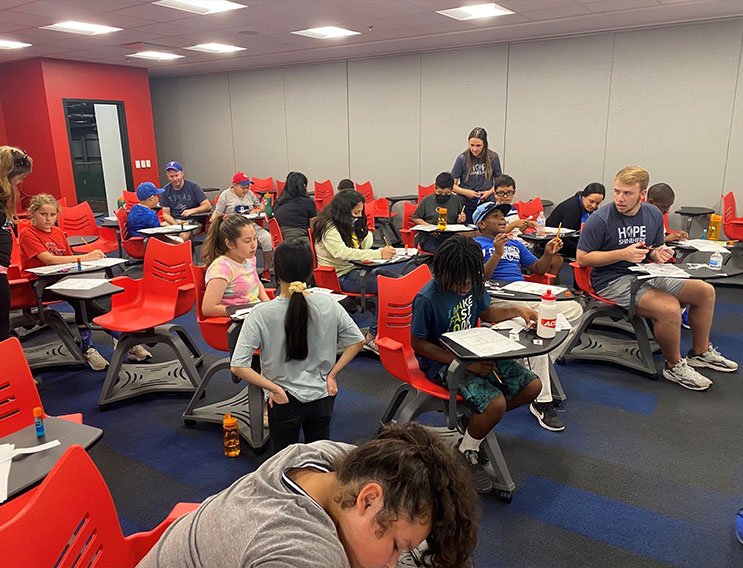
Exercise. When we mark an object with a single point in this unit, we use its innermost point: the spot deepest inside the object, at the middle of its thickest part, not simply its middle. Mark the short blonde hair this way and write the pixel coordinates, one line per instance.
(632, 175)
(41, 199)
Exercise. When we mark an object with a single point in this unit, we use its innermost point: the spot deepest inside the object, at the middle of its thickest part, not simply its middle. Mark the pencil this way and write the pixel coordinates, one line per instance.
(85, 242)
(462, 211)
(559, 227)
(386, 242)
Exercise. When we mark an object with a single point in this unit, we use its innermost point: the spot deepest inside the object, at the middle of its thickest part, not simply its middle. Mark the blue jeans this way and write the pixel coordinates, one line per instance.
(351, 282)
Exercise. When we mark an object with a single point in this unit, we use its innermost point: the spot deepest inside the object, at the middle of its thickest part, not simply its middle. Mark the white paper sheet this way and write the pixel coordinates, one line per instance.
(408, 251)
(72, 266)
(483, 341)
(7, 453)
(169, 229)
(553, 231)
(328, 292)
(533, 288)
(105, 262)
(450, 228)
(666, 270)
(704, 245)
(77, 284)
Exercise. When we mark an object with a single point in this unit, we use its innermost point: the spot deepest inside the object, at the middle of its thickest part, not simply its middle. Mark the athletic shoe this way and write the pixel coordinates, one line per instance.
(685, 318)
(739, 526)
(547, 416)
(712, 359)
(371, 346)
(266, 276)
(480, 477)
(687, 377)
(95, 359)
(139, 353)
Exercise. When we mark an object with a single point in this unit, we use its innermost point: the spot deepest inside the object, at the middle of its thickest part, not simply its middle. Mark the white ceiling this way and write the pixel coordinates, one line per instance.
(387, 26)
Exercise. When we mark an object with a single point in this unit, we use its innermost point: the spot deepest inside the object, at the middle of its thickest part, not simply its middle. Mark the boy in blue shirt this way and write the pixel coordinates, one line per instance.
(504, 259)
(142, 216)
(454, 300)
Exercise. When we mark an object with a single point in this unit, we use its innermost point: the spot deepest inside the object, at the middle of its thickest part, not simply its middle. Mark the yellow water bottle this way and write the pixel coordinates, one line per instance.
(441, 225)
(715, 226)
(231, 436)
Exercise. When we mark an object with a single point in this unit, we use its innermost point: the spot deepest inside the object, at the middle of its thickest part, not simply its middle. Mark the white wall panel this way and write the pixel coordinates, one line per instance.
(384, 123)
(460, 90)
(671, 106)
(259, 122)
(317, 121)
(558, 96)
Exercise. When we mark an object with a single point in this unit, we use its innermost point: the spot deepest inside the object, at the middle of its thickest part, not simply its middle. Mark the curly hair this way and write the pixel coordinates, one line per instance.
(421, 479)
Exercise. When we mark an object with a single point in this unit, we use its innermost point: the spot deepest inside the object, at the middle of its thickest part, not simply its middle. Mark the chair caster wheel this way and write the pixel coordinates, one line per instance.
(654, 377)
(505, 496)
(189, 423)
(560, 360)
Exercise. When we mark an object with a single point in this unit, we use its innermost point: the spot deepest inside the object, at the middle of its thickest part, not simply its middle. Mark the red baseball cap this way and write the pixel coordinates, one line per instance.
(241, 178)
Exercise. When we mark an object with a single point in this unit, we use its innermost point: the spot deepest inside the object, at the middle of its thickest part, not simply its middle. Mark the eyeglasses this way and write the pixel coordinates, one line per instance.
(505, 193)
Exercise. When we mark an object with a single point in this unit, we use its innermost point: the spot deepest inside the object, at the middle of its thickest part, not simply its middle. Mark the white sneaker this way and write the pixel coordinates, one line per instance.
(95, 359)
(687, 377)
(712, 359)
(139, 353)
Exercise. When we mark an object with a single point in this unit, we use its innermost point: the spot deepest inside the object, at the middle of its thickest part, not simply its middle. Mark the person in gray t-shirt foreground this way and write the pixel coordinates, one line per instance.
(330, 504)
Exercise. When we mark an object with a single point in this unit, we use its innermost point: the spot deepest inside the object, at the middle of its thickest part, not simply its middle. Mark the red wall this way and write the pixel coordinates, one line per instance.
(35, 120)
(3, 136)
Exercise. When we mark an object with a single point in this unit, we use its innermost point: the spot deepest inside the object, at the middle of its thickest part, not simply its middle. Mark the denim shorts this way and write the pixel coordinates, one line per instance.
(508, 380)
(619, 290)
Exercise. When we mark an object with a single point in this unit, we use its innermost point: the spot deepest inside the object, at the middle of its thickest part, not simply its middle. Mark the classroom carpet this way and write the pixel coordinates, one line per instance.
(646, 473)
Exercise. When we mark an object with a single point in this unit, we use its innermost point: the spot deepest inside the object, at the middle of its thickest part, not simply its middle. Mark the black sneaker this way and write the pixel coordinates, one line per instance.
(480, 477)
(547, 416)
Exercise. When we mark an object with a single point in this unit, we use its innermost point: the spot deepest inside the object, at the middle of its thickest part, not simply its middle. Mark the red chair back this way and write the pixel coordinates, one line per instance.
(529, 208)
(323, 194)
(327, 277)
(312, 248)
(280, 185)
(18, 394)
(262, 184)
(382, 208)
(396, 303)
(408, 238)
(134, 246)
(81, 525)
(275, 231)
(214, 329)
(130, 199)
(77, 220)
(732, 225)
(582, 275)
(424, 190)
(366, 190)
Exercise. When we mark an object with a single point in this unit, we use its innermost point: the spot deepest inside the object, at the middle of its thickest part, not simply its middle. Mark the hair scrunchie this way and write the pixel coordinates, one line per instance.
(297, 287)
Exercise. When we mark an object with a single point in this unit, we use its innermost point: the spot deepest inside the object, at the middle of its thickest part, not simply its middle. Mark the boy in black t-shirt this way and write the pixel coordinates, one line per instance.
(426, 214)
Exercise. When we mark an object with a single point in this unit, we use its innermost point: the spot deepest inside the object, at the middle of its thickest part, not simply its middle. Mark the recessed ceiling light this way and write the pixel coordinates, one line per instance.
(216, 48)
(81, 28)
(326, 32)
(7, 44)
(201, 7)
(475, 12)
(156, 55)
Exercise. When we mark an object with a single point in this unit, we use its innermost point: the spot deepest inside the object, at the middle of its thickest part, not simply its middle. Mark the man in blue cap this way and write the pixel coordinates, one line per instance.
(182, 198)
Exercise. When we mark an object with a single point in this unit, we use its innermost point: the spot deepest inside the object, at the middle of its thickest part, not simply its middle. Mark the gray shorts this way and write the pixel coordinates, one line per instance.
(619, 290)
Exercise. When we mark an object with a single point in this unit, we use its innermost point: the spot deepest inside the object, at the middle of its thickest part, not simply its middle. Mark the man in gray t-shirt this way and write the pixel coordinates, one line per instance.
(326, 505)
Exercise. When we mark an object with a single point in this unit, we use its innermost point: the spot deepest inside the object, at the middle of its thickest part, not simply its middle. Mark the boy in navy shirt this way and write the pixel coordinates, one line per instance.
(504, 259)
(142, 216)
(454, 300)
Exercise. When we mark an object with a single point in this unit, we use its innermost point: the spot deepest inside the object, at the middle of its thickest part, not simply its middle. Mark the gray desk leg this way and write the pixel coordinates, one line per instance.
(456, 371)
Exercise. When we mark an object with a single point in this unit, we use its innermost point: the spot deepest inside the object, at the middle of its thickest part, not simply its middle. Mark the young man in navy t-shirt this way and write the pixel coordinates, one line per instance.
(182, 199)
(453, 301)
(628, 232)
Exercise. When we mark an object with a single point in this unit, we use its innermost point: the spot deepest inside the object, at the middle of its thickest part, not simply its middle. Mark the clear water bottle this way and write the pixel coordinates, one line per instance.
(715, 261)
(541, 223)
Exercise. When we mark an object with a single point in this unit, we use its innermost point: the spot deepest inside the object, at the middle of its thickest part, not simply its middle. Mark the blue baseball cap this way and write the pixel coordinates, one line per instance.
(147, 189)
(174, 166)
(485, 209)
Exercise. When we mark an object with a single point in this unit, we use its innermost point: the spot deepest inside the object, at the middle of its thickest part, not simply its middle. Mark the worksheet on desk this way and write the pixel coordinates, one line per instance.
(77, 284)
(533, 288)
(104, 262)
(483, 341)
(667, 270)
(168, 229)
(704, 245)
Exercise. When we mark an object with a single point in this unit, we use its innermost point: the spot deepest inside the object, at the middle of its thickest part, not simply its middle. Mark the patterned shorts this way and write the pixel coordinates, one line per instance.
(479, 391)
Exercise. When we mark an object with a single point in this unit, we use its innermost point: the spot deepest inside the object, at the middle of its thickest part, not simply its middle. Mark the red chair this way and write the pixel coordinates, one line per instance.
(143, 312)
(417, 394)
(275, 232)
(130, 199)
(529, 208)
(262, 185)
(81, 524)
(635, 352)
(382, 209)
(18, 393)
(79, 220)
(366, 190)
(133, 246)
(280, 185)
(732, 225)
(323, 194)
(424, 190)
(408, 236)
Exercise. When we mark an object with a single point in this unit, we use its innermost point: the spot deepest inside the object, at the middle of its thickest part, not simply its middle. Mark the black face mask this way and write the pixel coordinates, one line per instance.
(441, 199)
(358, 223)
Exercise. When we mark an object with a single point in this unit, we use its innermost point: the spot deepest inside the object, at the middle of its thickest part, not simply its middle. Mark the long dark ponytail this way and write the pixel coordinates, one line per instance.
(292, 262)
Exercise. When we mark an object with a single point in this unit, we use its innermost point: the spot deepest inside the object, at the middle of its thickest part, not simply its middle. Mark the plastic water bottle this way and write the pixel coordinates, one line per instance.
(39, 422)
(715, 261)
(541, 223)
(441, 221)
(231, 436)
(269, 207)
(547, 316)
